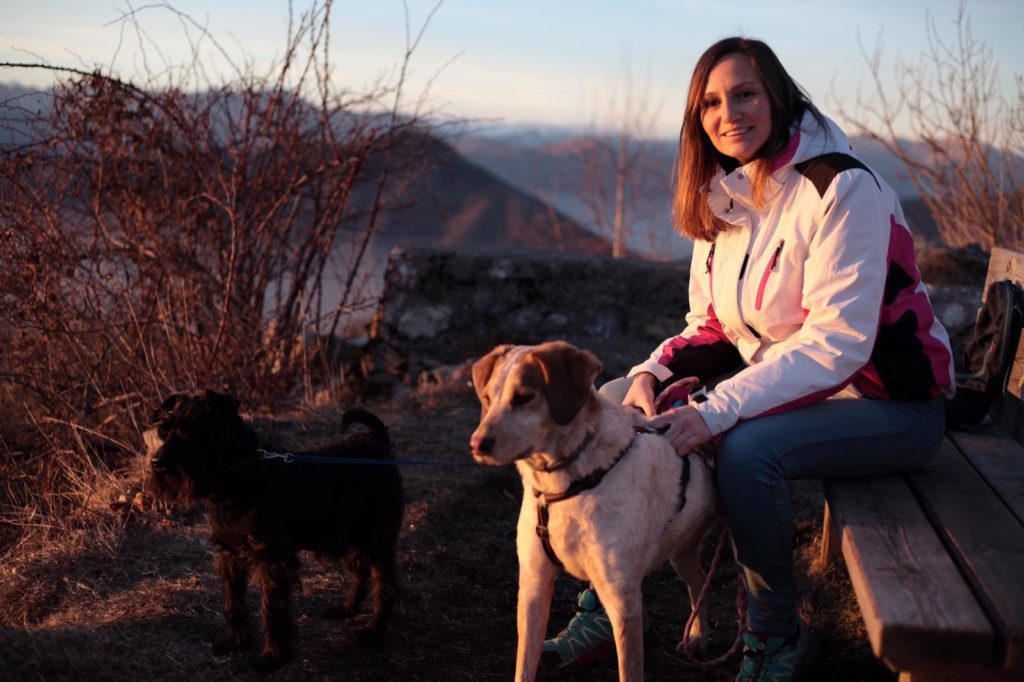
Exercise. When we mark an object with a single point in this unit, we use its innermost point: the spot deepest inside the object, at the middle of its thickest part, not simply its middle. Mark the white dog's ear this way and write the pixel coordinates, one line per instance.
(482, 369)
(568, 375)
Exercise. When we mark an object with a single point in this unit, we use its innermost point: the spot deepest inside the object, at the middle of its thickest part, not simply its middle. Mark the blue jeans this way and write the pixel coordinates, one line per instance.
(838, 438)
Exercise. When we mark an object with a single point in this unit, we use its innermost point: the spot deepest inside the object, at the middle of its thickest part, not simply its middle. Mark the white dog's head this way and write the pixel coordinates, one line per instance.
(528, 395)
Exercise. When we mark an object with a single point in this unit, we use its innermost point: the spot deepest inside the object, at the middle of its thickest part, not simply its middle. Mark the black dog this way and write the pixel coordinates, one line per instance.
(263, 511)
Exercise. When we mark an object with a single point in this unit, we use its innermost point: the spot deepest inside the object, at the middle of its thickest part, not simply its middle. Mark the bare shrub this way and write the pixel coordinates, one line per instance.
(178, 235)
(968, 167)
(617, 161)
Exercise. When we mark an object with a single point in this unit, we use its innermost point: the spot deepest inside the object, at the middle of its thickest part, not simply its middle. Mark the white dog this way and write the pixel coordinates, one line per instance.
(601, 499)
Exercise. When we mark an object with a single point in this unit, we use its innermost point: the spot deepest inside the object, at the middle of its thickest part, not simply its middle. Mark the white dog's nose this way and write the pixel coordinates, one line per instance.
(481, 445)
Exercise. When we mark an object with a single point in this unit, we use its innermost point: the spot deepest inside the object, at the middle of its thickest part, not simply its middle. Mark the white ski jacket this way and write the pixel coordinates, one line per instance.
(814, 292)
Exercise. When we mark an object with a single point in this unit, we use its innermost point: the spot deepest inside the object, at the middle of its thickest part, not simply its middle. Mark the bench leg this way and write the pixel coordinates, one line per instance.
(960, 674)
(830, 543)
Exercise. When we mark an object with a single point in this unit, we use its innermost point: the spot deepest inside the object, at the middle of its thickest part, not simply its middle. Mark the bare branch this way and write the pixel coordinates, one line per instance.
(966, 161)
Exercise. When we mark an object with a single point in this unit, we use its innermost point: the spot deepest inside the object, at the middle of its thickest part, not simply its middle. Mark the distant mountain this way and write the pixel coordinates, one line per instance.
(435, 198)
(443, 200)
(506, 188)
(456, 203)
(549, 165)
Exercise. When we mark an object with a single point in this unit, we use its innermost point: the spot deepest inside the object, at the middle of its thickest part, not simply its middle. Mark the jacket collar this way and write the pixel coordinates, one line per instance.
(729, 194)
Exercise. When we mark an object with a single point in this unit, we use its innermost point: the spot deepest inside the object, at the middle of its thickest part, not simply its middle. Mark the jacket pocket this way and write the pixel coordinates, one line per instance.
(773, 266)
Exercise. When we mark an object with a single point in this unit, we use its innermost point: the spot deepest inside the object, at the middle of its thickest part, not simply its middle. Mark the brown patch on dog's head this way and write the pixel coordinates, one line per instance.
(528, 395)
(567, 374)
(482, 370)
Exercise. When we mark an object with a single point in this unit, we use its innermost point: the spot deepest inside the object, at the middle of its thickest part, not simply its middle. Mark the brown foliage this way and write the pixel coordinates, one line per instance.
(968, 167)
(154, 239)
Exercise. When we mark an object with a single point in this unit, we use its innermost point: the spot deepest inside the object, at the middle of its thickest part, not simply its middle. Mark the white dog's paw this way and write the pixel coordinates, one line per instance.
(698, 643)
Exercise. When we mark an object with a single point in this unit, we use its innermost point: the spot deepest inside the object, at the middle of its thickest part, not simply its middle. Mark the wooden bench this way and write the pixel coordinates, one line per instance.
(936, 557)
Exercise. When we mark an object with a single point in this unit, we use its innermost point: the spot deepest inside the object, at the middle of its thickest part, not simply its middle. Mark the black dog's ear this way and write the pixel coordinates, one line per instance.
(166, 407)
(221, 403)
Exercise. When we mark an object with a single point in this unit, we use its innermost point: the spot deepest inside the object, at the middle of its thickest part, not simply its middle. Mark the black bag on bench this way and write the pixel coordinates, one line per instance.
(983, 365)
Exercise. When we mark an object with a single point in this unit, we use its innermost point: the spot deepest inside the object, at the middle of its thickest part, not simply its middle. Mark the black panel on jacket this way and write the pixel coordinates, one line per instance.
(896, 281)
(899, 357)
(704, 361)
(821, 170)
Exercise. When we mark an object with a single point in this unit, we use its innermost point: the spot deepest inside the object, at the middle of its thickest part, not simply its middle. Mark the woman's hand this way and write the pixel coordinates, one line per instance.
(686, 428)
(641, 394)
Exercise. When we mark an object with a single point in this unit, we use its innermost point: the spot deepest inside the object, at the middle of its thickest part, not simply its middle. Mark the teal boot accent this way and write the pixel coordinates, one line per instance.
(587, 638)
(775, 659)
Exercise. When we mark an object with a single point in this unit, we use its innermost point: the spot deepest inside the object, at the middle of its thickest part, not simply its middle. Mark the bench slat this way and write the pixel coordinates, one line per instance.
(980, 528)
(1015, 382)
(916, 606)
(1004, 264)
(999, 460)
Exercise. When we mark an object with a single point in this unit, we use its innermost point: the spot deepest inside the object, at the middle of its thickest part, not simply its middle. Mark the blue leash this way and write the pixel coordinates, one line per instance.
(291, 457)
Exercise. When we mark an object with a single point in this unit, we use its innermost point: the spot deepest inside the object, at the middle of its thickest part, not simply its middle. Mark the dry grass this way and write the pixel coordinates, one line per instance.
(132, 595)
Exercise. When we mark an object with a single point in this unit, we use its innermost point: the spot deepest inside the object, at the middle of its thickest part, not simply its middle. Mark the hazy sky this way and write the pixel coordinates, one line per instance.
(520, 61)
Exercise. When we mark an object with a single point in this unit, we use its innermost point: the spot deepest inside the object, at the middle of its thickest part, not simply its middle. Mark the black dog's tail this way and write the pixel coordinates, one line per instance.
(357, 415)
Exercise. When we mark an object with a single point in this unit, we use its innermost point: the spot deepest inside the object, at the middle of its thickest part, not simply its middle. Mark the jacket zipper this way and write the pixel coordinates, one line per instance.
(707, 269)
(773, 266)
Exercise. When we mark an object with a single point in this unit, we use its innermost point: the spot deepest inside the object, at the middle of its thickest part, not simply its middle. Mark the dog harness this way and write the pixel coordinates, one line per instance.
(588, 482)
(563, 463)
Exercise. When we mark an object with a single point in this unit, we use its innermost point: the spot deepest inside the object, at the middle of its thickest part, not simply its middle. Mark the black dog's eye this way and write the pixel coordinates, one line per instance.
(522, 398)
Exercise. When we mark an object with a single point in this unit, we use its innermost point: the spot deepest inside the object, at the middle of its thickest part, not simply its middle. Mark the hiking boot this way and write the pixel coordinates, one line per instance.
(587, 638)
(775, 659)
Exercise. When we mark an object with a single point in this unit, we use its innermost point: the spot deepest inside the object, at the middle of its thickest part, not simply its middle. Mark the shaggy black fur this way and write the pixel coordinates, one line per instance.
(263, 512)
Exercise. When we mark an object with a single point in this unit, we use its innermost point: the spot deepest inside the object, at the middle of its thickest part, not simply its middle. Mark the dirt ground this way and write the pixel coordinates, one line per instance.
(141, 601)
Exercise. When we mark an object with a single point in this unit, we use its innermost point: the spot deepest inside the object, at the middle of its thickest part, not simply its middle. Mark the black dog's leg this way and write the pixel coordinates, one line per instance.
(357, 572)
(278, 577)
(234, 582)
(384, 581)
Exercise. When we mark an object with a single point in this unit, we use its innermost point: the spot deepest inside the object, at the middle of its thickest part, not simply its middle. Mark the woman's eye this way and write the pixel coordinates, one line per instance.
(521, 399)
(708, 103)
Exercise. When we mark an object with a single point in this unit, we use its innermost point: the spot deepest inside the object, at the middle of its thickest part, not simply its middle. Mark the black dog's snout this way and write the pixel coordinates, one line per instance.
(158, 462)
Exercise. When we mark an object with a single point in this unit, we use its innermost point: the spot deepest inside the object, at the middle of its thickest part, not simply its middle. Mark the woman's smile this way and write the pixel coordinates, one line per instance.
(735, 112)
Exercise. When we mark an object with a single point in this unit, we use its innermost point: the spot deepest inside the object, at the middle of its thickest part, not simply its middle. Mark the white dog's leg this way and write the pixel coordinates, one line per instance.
(686, 562)
(536, 588)
(625, 611)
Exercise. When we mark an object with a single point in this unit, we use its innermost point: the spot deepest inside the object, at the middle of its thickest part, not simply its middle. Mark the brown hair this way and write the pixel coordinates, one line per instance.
(698, 160)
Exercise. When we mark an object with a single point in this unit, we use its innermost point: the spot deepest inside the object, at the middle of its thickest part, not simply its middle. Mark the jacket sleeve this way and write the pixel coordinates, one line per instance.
(843, 284)
(702, 349)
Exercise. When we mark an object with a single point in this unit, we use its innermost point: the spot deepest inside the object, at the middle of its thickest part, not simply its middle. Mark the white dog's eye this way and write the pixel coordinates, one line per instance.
(522, 398)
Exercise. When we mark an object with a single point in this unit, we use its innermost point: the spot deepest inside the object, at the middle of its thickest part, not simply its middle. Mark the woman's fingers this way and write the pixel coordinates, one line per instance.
(685, 428)
(641, 395)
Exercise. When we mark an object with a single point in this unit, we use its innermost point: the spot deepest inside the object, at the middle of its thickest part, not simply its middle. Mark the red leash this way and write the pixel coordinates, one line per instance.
(686, 646)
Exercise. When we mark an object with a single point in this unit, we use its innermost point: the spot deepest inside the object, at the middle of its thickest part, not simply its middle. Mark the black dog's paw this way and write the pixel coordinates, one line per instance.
(339, 612)
(230, 645)
(269, 661)
(372, 635)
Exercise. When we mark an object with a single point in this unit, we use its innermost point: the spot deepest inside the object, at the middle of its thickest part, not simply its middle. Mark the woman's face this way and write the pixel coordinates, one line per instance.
(735, 112)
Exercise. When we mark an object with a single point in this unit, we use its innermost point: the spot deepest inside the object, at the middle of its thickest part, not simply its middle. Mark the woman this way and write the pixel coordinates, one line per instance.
(808, 318)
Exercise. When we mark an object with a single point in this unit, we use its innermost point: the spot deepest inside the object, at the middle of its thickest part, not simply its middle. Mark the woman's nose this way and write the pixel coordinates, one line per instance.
(729, 110)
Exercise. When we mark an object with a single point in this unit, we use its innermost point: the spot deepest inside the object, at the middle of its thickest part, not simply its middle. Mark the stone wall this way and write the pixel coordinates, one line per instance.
(440, 308)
